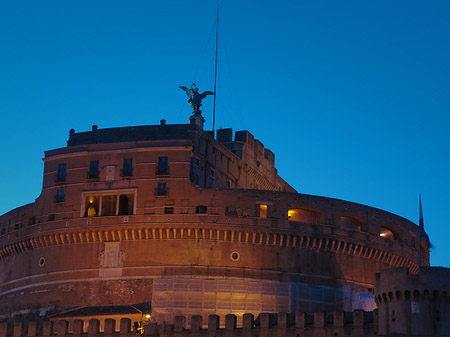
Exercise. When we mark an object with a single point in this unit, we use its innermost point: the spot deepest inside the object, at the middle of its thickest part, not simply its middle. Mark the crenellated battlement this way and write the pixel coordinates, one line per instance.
(357, 323)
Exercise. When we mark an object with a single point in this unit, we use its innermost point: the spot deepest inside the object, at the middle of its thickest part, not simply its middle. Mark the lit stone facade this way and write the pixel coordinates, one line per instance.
(193, 225)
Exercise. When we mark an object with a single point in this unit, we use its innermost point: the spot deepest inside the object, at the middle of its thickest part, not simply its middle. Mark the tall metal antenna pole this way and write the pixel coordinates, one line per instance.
(420, 230)
(215, 74)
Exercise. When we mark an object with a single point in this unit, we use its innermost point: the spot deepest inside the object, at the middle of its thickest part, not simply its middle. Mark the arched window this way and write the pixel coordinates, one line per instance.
(389, 233)
(386, 233)
(302, 215)
(350, 223)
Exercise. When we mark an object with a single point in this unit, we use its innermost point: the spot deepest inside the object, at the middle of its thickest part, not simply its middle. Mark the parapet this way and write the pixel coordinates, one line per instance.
(129, 134)
(429, 279)
(241, 138)
(357, 323)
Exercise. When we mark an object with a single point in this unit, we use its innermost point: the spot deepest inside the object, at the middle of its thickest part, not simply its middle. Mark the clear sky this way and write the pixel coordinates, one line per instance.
(351, 96)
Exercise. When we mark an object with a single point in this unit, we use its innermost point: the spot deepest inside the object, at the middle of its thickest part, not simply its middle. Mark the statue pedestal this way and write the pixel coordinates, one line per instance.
(197, 119)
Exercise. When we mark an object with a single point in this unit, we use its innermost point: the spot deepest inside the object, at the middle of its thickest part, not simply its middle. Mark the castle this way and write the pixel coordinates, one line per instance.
(174, 221)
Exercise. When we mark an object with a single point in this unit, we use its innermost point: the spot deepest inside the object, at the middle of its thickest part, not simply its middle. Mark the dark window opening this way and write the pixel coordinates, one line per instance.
(93, 170)
(61, 173)
(51, 217)
(163, 166)
(126, 204)
(168, 210)
(161, 189)
(31, 221)
(201, 209)
(230, 210)
(59, 196)
(127, 170)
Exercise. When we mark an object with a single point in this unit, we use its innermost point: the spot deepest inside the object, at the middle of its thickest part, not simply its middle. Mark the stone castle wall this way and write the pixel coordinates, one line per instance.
(320, 324)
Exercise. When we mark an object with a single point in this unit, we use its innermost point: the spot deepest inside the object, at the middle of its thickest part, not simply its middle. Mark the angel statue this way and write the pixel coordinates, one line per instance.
(195, 98)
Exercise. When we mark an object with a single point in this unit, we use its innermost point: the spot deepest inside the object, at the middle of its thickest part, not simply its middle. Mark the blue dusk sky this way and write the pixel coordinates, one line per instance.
(351, 96)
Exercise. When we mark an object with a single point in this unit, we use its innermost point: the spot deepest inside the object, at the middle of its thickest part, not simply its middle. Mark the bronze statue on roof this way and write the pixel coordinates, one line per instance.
(195, 98)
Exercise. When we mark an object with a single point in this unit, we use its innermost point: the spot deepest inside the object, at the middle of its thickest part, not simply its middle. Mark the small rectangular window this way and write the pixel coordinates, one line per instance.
(263, 211)
(168, 210)
(127, 170)
(230, 210)
(161, 189)
(201, 209)
(213, 173)
(163, 166)
(61, 173)
(93, 169)
(60, 196)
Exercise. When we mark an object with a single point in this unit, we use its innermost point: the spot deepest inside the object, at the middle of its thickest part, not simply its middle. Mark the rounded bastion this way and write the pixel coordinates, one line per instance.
(193, 225)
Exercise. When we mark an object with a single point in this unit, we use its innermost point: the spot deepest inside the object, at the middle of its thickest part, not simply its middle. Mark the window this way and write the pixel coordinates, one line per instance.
(201, 209)
(263, 211)
(413, 241)
(213, 173)
(61, 173)
(163, 166)
(161, 189)
(127, 170)
(230, 210)
(168, 210)
(125, 204)
(302, 215)
(388, 233)
(108, 204)
(92, 206)
(350, 223)
(60, 196)
(93, 170)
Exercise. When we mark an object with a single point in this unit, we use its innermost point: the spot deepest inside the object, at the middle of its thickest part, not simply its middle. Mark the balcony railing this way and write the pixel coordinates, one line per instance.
(126, 173)
(93, 175)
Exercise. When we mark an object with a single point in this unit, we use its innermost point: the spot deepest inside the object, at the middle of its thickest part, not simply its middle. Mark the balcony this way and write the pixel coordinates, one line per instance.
(126, 173)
